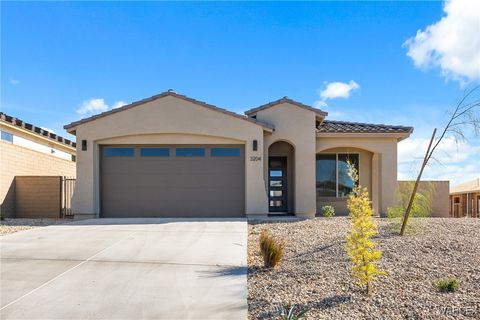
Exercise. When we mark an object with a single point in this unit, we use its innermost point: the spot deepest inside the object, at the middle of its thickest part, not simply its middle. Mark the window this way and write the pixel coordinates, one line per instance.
(276, 173)
(276, 203)
(190, 152)
(326, 175)
(154, 152)
(345, 183)
(276, 193)
(7, 137)
(275, 183)
(118, 152)
(225, 152)
(332, 174)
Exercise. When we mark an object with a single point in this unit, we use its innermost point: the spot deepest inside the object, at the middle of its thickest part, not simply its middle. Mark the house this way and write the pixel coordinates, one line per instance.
(465, 199)
(27, 150)
(173, 156)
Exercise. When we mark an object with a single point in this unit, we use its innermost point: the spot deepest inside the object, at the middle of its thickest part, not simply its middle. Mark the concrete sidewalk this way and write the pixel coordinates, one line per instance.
(126, 269)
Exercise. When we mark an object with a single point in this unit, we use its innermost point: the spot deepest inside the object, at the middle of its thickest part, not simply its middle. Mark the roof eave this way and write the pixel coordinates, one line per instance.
(399, 135)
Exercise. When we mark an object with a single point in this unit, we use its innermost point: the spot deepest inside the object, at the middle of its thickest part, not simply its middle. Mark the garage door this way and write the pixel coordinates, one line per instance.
(172, 181)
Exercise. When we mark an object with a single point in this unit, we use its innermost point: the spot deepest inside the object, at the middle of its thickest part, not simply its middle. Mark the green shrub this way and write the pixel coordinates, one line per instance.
(448, 284)
(291, 313)
(328, 211)
(421, 208)
(271, 249)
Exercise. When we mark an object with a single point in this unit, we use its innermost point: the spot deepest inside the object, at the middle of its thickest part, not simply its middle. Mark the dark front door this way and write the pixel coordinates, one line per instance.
(277, 184)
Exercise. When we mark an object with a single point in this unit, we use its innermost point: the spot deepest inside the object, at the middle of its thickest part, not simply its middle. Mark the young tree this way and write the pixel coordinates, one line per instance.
(360, 247)
(464, 114)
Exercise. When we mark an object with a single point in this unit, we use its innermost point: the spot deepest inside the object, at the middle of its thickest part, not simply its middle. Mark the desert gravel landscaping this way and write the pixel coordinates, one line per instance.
(315, 271)
(8, 226)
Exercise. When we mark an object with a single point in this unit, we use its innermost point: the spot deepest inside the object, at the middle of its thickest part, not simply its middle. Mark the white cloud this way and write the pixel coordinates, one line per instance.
(94, 105)
(452, 43)
(334, 90)
(454, 161)
(47, 129)
(97, 105)
(14, 81)
(119, 104)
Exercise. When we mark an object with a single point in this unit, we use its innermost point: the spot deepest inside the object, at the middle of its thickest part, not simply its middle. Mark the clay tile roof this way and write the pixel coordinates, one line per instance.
(286, 100)
(36, 130)
(329, 126)
(172, 93)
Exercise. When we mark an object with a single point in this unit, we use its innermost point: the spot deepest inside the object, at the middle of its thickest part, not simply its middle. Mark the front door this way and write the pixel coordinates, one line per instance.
(277, 184)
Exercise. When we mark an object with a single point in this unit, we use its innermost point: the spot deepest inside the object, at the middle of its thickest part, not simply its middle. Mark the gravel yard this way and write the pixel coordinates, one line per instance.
(315, 271)
(8, 226)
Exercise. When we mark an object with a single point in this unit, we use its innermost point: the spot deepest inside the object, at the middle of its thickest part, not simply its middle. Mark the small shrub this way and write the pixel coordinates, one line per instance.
(448, 284)
(271, 249)
(328, 211)
(291, 312)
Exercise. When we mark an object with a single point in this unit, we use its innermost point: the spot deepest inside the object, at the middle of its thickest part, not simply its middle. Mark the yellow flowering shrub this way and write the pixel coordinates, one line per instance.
(360, 247)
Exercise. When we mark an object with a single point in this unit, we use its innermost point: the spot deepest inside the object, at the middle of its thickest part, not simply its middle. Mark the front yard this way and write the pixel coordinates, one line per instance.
(315, 271)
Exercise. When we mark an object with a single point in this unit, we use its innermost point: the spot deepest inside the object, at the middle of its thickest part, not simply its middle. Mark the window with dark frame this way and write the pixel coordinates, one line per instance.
(332, 178)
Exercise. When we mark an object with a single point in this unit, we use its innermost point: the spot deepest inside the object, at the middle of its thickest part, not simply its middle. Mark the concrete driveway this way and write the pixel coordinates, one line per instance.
(126, 269)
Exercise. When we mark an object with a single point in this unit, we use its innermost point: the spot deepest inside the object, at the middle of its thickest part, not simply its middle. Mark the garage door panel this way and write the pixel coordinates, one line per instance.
(173, 186)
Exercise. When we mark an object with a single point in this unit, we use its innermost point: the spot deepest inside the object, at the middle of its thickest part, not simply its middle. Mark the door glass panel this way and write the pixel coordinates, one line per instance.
(190, 152)
(154, 152)
(276, 173)
(276, 203)
(225, 152)
(276, 193)
(118, 152)
(275, 183)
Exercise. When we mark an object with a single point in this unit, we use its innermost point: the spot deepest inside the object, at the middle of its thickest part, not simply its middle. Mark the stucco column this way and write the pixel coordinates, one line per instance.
(84, 195)
(256, 200)
(388, 179)
(305, 197)
(375, 193)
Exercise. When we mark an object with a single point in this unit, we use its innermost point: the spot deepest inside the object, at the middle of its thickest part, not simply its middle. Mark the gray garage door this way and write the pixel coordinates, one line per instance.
(172, 181)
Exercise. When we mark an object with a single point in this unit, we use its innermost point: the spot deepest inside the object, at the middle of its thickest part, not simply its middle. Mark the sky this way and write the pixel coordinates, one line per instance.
(402, 63)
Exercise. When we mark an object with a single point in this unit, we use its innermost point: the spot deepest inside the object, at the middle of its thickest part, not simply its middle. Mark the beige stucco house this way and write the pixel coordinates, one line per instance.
(28, 150)
(171, 155)
(465, 199)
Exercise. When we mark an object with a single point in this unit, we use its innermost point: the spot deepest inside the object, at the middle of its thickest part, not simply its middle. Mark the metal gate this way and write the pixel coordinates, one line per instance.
(68, 185)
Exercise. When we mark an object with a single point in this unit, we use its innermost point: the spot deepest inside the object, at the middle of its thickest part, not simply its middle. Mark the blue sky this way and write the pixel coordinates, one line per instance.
(64, 61)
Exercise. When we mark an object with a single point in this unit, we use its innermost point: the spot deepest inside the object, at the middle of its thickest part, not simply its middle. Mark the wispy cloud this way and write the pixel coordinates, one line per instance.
(97, 105)
(335, 90)
(452, 43)
(14, 81)
(456, 161)
(47, 129)
(119, 104)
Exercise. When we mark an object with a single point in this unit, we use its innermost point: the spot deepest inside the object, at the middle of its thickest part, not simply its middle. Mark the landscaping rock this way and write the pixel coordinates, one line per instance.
(315, 271)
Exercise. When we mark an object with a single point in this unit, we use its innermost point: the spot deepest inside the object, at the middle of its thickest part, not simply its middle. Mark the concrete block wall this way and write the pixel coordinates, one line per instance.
(20, 161)
(37, 197)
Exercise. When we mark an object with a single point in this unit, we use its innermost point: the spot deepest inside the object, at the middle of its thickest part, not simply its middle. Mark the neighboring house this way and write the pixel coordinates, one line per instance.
(465, 199)
(170, 155)
(27, 150)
